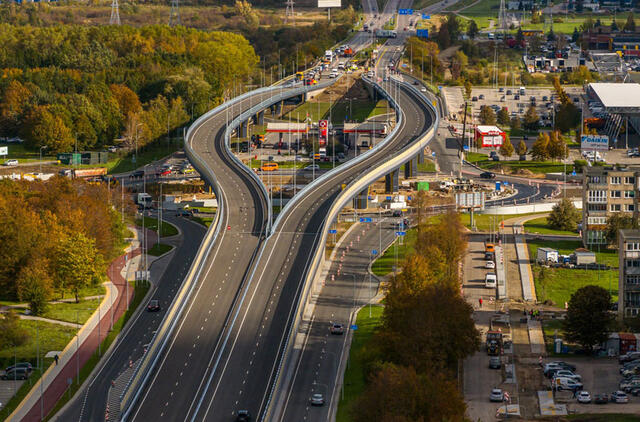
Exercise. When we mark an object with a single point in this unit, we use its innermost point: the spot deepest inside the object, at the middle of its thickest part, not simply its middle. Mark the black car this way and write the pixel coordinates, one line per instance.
(138, 174)
(601, 399)
(494, 362)
(16, 374)
(25, 365)
(397, 213)
(153, 306)
(243, 416)
(487, 175)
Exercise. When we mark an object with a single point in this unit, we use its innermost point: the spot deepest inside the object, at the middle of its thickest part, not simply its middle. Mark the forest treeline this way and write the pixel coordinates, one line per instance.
(412, 360)
(69, 83)
(56, 237)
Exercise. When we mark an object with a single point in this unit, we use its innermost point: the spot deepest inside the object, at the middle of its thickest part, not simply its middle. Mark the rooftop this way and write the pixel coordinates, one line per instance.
(617, 94)
(629, 234)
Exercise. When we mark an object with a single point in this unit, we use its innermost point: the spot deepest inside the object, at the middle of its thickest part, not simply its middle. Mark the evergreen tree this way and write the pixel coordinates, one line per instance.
(515, 122)
(487, 116)
(503, 117)
(630, 24)
(506, 148)
(522, 148)
(540, 148)
(531, 119)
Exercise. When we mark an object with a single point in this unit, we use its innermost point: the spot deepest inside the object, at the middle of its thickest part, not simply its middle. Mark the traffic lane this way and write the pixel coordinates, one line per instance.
(478, 378)
(196, 338)
(91, 403)
(317, 369)
(281, 275)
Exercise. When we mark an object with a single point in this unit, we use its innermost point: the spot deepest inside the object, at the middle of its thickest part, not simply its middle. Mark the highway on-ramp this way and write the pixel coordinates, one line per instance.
(254, 342)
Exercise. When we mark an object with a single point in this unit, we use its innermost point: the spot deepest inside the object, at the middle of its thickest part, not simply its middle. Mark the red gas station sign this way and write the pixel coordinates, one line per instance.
(323, 132)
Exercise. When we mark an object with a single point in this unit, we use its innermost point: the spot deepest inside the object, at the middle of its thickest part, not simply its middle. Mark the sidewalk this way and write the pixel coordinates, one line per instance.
(57, 378)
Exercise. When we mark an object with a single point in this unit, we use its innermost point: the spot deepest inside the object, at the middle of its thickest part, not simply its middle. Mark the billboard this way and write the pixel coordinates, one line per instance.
(323, 132)
(4, 150)
(594, 143)
(329, 3)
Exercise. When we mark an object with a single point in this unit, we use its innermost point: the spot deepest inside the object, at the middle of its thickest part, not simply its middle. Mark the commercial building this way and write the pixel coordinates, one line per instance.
(489, 136)
(629, 273)
(607, 191)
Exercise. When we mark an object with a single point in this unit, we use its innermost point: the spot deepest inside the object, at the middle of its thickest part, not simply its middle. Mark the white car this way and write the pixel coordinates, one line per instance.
(11, 163)
(496, 395)
(311, 167)
(584, 397)
(423, 89)
(564, 383)
(619, 397)
(568, 374)
(490, 281)
(317, 400)
(490, 265)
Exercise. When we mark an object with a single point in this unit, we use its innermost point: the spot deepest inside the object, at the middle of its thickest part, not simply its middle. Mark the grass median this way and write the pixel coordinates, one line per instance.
(151, 223)
(384, 265)
(159, 249)
(354, 377)
(541, 226)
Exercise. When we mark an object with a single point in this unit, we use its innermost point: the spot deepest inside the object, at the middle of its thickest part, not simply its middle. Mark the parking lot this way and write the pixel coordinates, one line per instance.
(509, 97)
(599, 376)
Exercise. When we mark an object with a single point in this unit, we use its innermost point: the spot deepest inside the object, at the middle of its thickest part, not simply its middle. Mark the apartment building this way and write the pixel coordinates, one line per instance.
(629, 274)
(607, 190)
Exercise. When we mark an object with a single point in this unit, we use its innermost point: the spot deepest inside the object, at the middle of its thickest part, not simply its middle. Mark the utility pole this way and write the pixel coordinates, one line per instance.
(289, 15)
(464, 133)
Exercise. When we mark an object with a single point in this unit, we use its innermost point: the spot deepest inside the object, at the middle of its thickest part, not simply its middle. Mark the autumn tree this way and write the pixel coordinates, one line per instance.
(588, 317)
(78, 264)
(557, 147)
(506, 148)
(128, 100)
(616, 222)
(397, 393)
(531, 118)
(503, 117)
(521, 150)
(487, 115)
(564, 216)
(15, 100)
(467, 88)
(630, 24)
(42, 128)
(540, 148)
(514, 123)
(34, 285)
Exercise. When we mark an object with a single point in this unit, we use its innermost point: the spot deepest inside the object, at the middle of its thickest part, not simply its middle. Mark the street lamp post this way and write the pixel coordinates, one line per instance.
(41, 148)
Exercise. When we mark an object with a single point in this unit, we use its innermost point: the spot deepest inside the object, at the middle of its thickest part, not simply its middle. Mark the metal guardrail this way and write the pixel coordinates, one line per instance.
(158, 342)
(160, 339)
(346, 195)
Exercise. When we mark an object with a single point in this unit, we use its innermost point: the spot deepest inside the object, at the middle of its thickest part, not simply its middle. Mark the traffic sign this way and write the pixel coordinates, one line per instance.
(374, 252)
(389, 198)
(365, 219)
(354, 327)
(426, 16)
(333, 231)
(422, 33)
(400, 233)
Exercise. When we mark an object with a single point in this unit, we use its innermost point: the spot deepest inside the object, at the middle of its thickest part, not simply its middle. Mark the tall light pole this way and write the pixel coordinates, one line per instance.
(41, 148)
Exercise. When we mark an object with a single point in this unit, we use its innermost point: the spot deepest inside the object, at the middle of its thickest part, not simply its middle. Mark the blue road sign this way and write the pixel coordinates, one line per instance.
(403, 11)
(354, 327)
(333, 231)
(433, 154)
(409, 198)
(365, 219)
(440, 87)
(374, 252)
(401, 233)
(389, 198)
(498, 185)
(573, 173)
(369, 197)
(466, 147)
(422, 33)
(426, 16)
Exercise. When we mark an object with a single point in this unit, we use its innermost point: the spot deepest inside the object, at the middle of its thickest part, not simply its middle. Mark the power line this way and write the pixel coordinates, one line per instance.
(289, 13)
(115, 13)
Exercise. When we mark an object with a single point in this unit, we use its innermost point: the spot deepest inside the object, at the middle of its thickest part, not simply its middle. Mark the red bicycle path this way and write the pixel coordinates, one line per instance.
(59, 385)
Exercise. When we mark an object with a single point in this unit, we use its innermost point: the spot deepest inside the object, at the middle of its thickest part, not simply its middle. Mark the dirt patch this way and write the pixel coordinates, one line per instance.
(348, 87)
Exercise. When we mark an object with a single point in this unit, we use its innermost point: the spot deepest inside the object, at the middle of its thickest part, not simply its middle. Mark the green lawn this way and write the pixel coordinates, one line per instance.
(340, 111)
(485, 222)
(205, 221)
(540, 225)
(474, 157)
(561, 283)
(24, 155)
(158, 149)
(151, 223)
(354, 379)
(391, 24)
(384, 265)
(427, 166)
(204, 210)
(71, 311)
(159, 249)
(139, 294)
(48, 335)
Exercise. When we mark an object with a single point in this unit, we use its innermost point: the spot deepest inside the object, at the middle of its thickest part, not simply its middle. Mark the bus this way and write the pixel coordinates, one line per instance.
(299, 76)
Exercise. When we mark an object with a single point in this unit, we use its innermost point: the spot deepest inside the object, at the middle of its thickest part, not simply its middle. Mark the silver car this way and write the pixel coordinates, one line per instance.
(317, 400)
(496, 395)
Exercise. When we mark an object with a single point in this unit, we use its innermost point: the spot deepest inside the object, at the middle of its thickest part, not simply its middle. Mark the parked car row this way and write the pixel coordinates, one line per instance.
(19, 371)
(630, 371)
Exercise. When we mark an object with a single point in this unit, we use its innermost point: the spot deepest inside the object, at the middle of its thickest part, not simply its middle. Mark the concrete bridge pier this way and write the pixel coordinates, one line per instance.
(391, 181)
(411, 168)
(361, 201)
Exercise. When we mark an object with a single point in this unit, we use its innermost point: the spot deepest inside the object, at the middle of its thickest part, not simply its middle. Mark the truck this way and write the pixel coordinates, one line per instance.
(328, 56)
(84, 173)
(522, 91)
(386, 33)
(143, 199)
(498, 335)
(546, 255)
(322, 151)
(493, 343)
(348, 52)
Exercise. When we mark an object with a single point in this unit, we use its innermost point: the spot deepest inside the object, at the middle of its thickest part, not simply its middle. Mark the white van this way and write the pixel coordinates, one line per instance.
(490, 281)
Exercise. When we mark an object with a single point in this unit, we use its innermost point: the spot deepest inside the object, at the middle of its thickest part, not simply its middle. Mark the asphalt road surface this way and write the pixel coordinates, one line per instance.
(253, 344)
(90, 403)
(317, 368)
